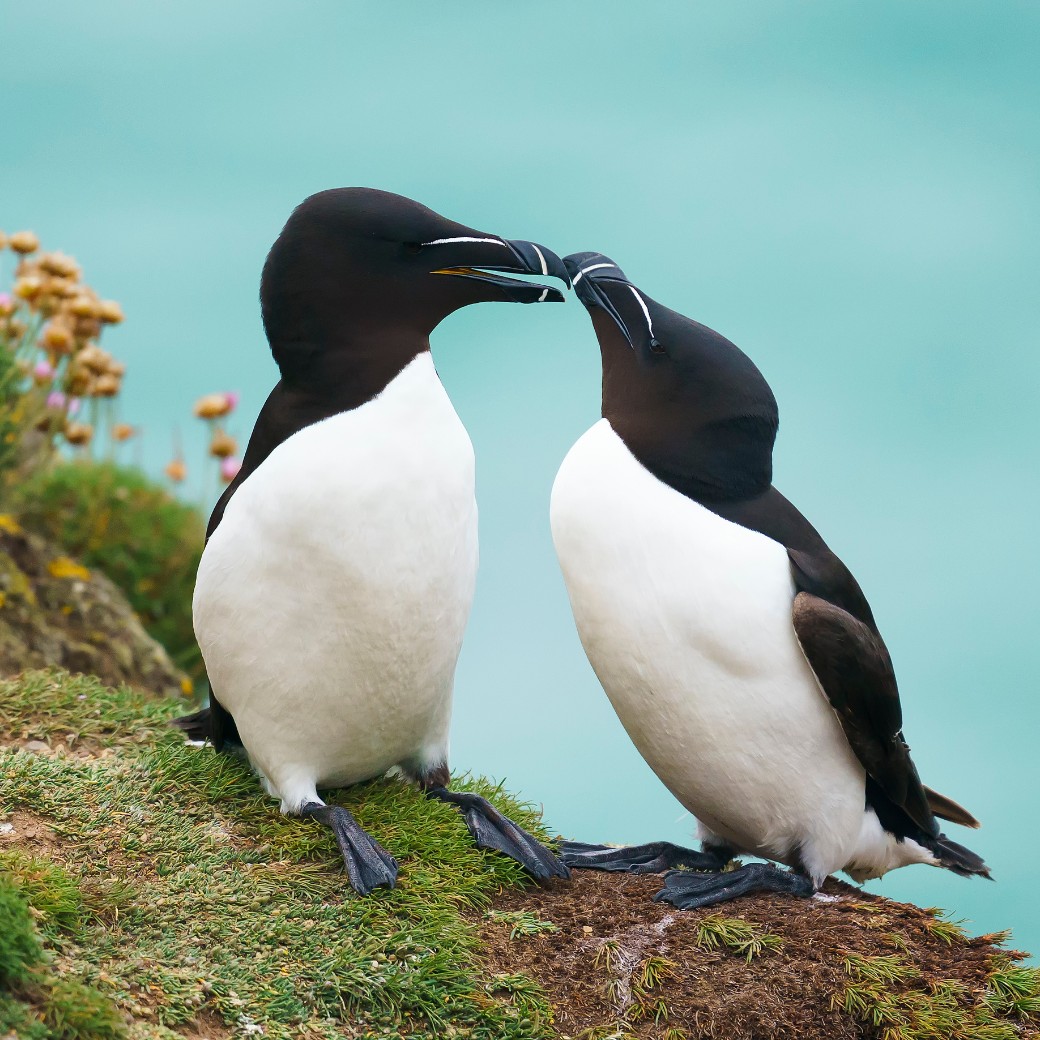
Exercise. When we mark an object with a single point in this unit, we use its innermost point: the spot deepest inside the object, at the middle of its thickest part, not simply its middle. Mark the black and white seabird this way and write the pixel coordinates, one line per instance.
(340, 564)
(738, 651)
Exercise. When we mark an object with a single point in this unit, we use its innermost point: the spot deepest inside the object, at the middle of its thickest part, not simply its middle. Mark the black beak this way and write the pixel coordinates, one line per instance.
(486, 257)
(599, 282)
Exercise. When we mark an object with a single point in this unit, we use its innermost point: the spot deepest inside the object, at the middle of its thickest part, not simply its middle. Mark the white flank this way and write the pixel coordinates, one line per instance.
(686, 619)
(331, 601)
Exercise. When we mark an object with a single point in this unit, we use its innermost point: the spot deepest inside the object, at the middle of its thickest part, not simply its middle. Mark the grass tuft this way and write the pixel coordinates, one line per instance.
(736, 934)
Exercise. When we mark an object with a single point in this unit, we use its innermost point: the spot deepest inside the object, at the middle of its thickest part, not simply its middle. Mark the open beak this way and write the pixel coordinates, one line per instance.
(485, 258)
(599, 282)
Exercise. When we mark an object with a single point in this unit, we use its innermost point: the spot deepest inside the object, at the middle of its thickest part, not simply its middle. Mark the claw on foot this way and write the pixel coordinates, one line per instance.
(687, 890)
(492, 830)
(368, 864)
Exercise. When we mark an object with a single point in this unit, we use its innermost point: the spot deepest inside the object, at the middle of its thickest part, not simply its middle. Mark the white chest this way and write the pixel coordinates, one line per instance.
(686, 619)
(331, 601)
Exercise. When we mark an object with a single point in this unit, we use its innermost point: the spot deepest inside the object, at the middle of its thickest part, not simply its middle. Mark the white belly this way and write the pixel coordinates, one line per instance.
(331, 601)
(686, 619)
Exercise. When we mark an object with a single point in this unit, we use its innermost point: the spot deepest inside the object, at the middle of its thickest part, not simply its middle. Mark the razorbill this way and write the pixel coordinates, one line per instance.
(340, 563)
(738, 651)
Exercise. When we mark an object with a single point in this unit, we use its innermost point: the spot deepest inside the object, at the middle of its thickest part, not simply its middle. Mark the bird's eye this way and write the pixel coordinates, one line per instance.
(656, 347)
(413, 247)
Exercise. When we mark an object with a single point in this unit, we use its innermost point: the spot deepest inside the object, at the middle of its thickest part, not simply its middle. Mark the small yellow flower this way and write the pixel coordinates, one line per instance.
(107, 385)
(110, 312)
(60, 264)
(56, 336)
(176, 470)
(9, 524)
(63, 567)
(84, 306)
(24, 242)
(213, 406)
(28, 287)
(79, 433)
(222, 445)
(187, 686)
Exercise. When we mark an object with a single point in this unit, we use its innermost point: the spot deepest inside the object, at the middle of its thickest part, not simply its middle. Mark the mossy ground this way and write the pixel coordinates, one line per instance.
(164, 881)
(150, 890)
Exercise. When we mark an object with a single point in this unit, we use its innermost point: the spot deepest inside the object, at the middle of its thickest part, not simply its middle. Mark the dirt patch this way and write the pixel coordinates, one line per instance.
(29, 832)
(207, 1026)
(615, 957)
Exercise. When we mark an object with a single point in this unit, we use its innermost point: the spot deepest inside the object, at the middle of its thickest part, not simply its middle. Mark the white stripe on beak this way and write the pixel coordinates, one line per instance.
(445, 241)
(585, 270)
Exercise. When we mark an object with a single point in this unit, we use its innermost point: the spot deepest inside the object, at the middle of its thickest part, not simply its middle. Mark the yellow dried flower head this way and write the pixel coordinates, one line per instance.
(56, 337)
(222, 445)
(95, 359)
(107, 385)
(59, 264)
(213, 406)
(28, 287)
(176, 470)
(78, 433)
(84, 306)
(3, 240)
(78, 381)
(24, 242)
(64, 288)
(110, 312)
(117, 368)
(122, 432)
(87, 328)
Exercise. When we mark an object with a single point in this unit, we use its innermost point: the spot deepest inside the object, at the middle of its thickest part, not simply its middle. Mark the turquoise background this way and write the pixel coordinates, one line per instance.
(848, 191)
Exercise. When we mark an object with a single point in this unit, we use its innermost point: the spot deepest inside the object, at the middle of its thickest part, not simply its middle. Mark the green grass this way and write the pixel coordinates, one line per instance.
(116, 519)
(177, 886)
(889, 993)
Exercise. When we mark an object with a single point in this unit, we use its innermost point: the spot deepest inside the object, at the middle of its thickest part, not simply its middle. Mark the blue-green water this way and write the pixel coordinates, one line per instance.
(848, 191)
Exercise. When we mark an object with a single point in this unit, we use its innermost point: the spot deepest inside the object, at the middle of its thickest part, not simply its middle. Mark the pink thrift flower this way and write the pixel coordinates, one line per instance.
(43, 370)
(56, 400)
(232, 399)
(73, 405)
(229, 468)
(5, 299)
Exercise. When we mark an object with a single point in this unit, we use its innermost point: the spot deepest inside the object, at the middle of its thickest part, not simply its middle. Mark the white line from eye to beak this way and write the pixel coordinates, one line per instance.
(541, 260)
(545, 292)
(445, 241)
(585, 270)
(646, 313)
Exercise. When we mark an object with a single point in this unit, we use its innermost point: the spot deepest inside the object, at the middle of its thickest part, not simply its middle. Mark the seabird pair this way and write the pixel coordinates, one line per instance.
(339, 570)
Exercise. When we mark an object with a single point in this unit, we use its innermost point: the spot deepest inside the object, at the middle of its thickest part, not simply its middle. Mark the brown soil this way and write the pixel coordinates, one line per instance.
(607, 927)
(30, 832)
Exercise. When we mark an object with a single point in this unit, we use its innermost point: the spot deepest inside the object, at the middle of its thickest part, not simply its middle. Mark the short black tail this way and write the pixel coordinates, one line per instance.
(197, 726)
(957, 858)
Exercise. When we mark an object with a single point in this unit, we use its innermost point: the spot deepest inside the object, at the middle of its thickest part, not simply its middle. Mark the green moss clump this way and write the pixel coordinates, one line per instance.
(134, 531)
(20, 947)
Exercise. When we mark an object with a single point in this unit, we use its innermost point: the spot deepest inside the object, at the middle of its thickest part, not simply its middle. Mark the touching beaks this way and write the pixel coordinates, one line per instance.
(484, 258)
(599, 282)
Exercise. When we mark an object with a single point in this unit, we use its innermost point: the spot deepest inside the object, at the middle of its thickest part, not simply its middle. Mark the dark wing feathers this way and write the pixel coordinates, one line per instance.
(852, 665)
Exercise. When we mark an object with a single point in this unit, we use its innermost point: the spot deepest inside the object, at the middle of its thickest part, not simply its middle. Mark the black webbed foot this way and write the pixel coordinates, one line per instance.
(652, 858)
(687, 890)
(492, 830)
(368, 864)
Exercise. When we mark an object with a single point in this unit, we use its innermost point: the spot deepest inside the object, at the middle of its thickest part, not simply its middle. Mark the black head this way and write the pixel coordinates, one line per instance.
(689, 404)
(367, 273)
